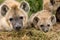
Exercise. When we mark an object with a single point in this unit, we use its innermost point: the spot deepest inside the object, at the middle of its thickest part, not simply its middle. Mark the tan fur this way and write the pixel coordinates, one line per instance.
(45, 1)
(44, 17)
(4, 21)
(47, 5)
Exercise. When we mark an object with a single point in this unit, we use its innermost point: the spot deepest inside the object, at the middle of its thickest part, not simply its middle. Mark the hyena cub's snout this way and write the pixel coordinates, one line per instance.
(45, 28)
(17, 23)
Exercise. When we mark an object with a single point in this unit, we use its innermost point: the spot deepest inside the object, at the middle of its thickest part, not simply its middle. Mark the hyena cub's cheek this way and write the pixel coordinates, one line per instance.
(4, 10)
(25, 6)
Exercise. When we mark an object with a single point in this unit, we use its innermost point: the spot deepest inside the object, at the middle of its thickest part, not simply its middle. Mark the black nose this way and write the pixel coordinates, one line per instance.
(18, 28)
(46, 31)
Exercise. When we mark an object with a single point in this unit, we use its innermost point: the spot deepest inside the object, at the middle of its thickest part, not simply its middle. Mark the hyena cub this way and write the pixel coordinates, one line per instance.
(53, 5)
(13, 15)
(42, 20)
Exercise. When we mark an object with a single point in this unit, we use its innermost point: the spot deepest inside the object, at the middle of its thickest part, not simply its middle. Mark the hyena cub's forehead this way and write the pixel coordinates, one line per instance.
(44, 14)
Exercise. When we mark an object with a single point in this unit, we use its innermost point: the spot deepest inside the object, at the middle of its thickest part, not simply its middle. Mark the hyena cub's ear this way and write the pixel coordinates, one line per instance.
(52, 2)
(53, 19)
(35, 20)
(4, 10)
(25, 6)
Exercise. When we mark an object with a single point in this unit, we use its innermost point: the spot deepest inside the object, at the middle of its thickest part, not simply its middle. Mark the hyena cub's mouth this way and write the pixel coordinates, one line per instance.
(58, 14)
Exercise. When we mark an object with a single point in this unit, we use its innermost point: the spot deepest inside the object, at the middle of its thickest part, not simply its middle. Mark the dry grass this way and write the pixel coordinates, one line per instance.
(30, 34)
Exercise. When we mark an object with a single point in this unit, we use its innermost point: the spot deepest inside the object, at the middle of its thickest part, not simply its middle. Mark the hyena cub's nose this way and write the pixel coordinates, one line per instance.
(18, 27)
(45, 31)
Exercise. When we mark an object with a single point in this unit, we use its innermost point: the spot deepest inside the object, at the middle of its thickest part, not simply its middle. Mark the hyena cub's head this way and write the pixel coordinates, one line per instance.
(15, 13)
(44, 20)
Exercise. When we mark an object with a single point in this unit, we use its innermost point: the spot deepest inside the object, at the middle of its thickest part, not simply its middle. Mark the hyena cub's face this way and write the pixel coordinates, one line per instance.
(16, 19)
(15, 13)
(44, 20)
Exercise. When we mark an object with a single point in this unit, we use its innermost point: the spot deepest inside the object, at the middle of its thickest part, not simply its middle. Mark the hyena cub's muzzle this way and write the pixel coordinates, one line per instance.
(45, 28)
(17, 23)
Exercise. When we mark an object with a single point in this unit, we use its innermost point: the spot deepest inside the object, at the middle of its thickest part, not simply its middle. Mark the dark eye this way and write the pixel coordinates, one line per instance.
(21, 17)
(48, 25)
(41, 25)
(11, 19)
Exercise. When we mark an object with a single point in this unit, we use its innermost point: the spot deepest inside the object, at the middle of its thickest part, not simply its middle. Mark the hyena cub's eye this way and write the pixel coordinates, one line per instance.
(11, 19)
(48, 25)
(41, 25)
(21, 17)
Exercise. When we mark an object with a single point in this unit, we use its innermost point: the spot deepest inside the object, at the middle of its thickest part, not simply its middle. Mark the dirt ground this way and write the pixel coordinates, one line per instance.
(32, 34)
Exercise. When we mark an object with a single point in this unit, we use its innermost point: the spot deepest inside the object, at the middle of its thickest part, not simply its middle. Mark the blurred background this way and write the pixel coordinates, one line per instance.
(35, 5)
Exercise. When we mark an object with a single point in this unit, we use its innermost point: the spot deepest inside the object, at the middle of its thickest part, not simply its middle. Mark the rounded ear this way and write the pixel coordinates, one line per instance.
(53, 19)
(4, 10)
(25, 6)
(35, 20)
(52, 2)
